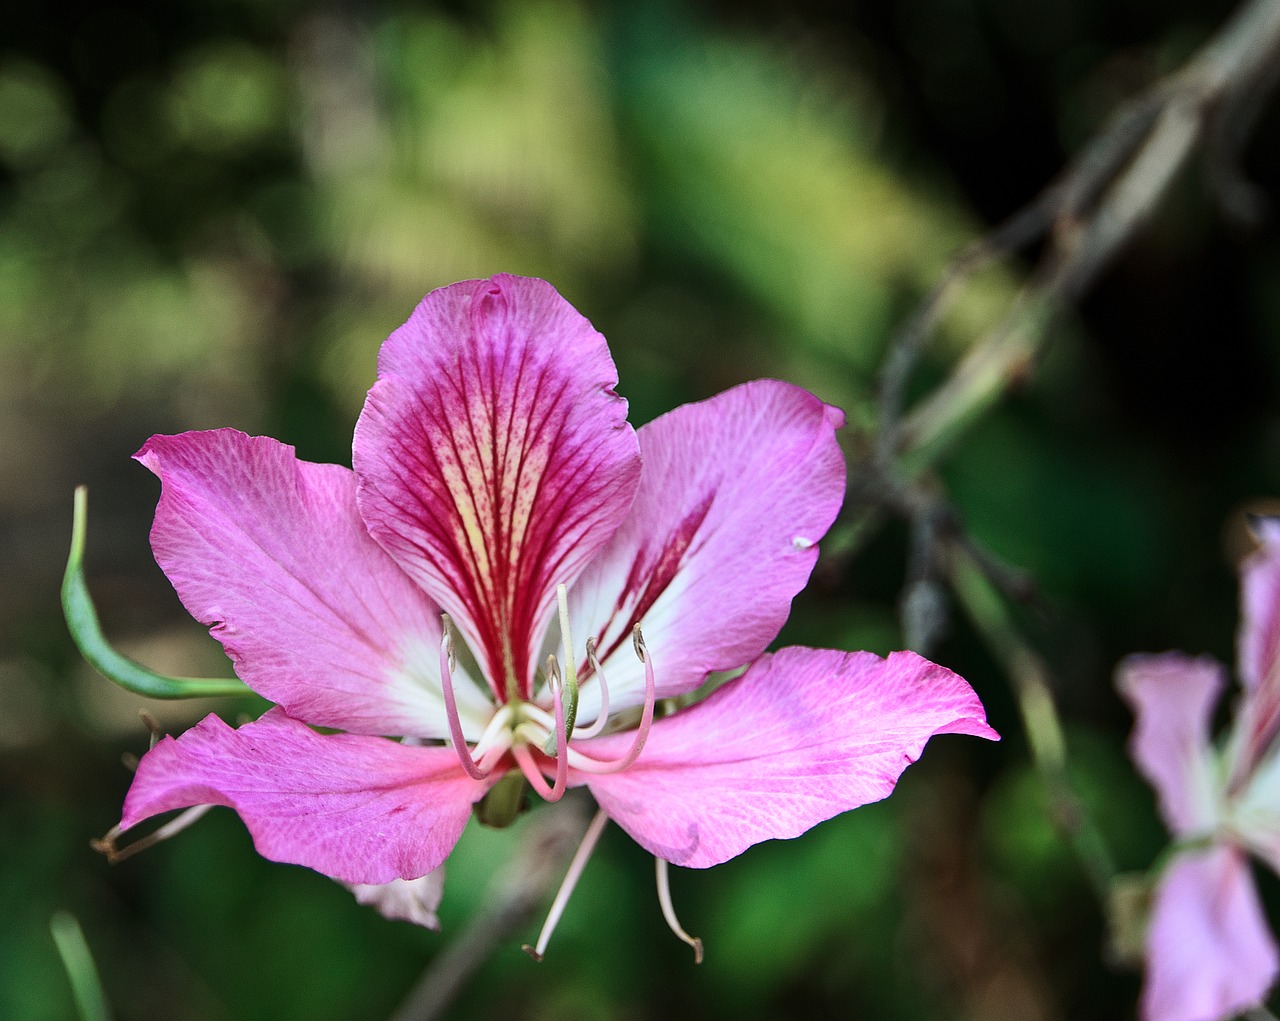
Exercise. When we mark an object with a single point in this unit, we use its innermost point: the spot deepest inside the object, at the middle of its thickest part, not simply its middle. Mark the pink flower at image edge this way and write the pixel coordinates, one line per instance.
(497, 479)
(1210, 954)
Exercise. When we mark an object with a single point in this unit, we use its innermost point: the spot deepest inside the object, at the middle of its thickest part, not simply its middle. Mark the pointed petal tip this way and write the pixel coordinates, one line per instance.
(359, 809)
(802, 736)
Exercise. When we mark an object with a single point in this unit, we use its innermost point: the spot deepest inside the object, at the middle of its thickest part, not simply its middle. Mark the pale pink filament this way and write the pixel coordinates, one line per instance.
(492, 751)
(525, 758)
(590, 765)
(451, 704)
(571, 877)
(602, 717)
(669, 912)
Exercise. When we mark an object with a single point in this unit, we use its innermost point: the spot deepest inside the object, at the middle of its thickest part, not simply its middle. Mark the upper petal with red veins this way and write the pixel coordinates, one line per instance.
(495, 459)
(273, 553)
(360, 809)
(1172, 697)
(1210, 955)
(803, 735)
(734, 495)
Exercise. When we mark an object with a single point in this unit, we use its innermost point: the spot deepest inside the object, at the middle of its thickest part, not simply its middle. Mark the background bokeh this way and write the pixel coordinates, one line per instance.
(212, 213)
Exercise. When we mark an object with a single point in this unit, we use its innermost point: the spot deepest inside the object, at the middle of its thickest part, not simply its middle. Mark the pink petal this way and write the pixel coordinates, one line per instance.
(406, 900)
(803, 735)
(1172, 697)
(495, 459)
(1210, 955)
(1260, 605)
(272, 552)
(359, 809)
(1259, 645)
(734, 495)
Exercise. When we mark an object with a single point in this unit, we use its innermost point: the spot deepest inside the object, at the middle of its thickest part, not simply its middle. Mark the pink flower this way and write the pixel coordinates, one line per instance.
(1210, 954)
(496, 478)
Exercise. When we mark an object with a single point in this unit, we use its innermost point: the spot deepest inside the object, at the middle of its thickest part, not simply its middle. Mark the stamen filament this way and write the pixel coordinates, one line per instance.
(107, 844)
(602, 717)
(526, 730)
(447, 664)
(536, 714)
(533, 772)
(580, 858)
(669, 912)
(589, 764)
(497, 729)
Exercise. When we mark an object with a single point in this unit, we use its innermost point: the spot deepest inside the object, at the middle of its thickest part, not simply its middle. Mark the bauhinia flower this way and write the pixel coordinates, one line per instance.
(513, 579)
(1209, 952)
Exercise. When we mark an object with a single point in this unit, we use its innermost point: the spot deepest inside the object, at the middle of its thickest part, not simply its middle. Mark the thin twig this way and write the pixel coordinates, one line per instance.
(1040, 720)
(1089, 213)
(526, 882)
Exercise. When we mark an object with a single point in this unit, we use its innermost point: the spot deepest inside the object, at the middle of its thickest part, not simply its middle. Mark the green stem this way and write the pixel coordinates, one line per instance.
(86, 986)
(991, 616)
(82, 622)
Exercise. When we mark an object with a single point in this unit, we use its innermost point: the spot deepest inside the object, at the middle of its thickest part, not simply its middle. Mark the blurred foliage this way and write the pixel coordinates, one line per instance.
(212, 214)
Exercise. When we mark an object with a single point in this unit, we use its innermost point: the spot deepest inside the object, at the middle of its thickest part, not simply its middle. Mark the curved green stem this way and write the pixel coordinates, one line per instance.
(82, 622)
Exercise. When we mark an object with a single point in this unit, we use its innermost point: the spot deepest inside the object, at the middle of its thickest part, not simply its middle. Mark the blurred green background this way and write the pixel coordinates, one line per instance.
(212, 213)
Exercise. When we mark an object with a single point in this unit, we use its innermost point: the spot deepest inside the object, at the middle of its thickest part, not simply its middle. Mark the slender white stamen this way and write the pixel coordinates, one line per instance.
(669, 912)
(447, 664)
(536, 714)
(571, 877)
(498, 729)
(602, 717)
(591, 765)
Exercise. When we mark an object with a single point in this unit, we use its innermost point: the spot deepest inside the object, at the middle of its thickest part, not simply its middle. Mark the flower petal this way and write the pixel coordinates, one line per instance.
(1172, 697)
(1259, 647)
(406, 900)
(1254, 812)
(272, 553)
(359, 809)
(495, 459)
(734, 495)
(1210, 955)
(803, 735)
(1260, 605)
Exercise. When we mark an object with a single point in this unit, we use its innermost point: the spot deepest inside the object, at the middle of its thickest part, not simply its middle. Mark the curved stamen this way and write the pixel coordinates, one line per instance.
(580, 857)
(447, 664)
(602, 717)
(669, 912)
(591, 765)
(524, 757)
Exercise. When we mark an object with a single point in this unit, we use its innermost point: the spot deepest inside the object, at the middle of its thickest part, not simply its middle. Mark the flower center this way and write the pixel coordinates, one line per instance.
(539, 739)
